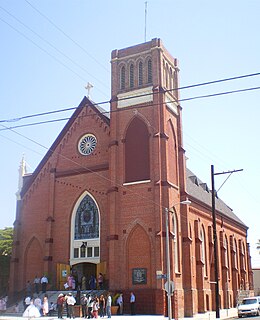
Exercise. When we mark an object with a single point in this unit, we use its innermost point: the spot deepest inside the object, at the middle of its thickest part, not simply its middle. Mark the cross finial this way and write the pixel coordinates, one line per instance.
(89, 86)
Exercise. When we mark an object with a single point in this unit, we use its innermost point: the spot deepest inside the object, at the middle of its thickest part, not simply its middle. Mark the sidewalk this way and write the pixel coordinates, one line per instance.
(225, 314)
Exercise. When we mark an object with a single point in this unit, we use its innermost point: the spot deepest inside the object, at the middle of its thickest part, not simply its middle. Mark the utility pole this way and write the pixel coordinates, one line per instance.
(215, 237)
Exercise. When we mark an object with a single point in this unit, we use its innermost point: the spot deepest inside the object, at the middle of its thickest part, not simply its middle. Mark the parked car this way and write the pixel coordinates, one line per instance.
(249, 307)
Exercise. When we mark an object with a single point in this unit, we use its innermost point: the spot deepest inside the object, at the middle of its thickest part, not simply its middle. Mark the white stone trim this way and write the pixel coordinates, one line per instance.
(135, 97)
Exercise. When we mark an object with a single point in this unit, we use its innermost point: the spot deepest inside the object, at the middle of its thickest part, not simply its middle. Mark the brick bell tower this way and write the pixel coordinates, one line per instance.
(146, 168)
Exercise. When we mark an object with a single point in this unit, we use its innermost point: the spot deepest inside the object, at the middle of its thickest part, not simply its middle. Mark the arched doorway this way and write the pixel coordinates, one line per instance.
(83, 274)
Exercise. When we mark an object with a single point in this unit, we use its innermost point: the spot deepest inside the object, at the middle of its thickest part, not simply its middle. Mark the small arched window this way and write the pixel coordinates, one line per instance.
(140, 73)
(122, 78)
(171, 79)
(203, 251)
(150, 73)
(175, 243)
(131, 75)
(235, 254)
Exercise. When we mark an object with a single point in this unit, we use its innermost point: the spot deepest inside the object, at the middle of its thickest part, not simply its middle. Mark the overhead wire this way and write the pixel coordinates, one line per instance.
(66, 35)
(120, 110)
(83, 167)
(51, 45)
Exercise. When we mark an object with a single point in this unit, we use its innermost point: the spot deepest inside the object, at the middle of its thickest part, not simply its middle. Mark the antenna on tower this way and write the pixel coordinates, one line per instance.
(145, 17)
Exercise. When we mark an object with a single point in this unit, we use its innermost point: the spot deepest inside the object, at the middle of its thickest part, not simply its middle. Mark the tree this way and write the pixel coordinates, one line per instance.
(6, 241)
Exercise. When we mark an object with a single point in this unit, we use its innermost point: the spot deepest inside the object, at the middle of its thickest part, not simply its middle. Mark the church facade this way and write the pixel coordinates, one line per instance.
(98, 200)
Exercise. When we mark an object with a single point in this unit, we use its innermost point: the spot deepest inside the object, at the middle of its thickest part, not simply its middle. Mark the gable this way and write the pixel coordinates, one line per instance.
(88, 117)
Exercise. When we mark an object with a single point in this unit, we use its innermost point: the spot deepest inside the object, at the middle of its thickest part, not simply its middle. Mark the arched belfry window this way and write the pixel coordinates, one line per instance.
(137, 160)
(86, 220)
(131, 75)
(150, 73)
(122, 78)
(140, 73)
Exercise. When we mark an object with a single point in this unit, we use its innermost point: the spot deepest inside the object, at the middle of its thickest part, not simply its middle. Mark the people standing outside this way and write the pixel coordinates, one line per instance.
(71, 301)
(45, 305)
(100, 281)
(92, 282)
(119, 302)
(108, 307)
(38, 304)
(44, 282)
(95, 308)
(89, 306)
(84, 302)
(132, 303)
(29, 288)
(27, 302)
(36, 283)
(102, 306)
(60, 304)
(83, 283)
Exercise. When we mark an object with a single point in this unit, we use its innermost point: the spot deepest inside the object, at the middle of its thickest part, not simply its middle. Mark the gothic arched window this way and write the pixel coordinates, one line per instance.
(203, 251)
(140, 73)
(137, 158)
(176, 244)
(150, 73)
(122, 78)
(87, 220)
(131, 75)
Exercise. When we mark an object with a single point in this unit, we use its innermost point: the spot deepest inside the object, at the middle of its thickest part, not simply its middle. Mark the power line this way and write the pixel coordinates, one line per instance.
(119, 110)
(142, 95)
(51, 45)
(66, 35)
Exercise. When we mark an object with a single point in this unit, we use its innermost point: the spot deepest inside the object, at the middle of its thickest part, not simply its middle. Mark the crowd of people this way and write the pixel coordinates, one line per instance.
(91, 305)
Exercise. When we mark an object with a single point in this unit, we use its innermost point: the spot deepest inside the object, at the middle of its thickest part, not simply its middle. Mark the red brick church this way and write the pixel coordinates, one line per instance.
(97, 201)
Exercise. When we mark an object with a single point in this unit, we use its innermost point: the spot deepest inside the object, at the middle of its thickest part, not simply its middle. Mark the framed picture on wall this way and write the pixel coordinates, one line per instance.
(139, 276)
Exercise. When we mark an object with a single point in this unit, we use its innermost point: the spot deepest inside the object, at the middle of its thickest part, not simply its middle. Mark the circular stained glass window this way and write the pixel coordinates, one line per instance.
(87, 144)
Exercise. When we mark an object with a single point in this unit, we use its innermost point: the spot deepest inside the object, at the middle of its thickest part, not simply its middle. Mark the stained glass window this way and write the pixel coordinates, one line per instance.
(87, 220)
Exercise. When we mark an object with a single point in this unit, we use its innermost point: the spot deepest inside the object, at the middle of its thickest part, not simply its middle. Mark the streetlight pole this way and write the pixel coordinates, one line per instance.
(215, 237)
(168, 265)
(168, 286)
(215, 242)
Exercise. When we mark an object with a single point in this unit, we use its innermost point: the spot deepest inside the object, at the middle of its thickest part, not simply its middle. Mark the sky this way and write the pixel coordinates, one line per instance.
(50, 50)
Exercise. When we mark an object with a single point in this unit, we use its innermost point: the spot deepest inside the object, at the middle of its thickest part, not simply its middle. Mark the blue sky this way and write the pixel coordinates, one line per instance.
(50, 49)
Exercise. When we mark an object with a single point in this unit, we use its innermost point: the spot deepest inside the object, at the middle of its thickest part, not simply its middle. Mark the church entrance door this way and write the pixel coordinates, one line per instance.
(85, 275)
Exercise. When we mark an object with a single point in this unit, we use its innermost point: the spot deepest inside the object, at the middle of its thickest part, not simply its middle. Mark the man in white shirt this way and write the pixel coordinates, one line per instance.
(70, 302)
(44, 282)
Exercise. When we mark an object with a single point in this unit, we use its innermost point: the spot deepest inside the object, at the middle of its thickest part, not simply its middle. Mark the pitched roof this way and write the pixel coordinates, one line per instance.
(105, 115)
(199, 190)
